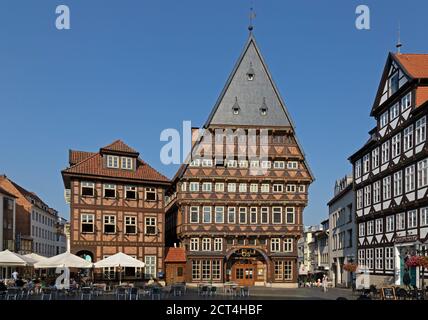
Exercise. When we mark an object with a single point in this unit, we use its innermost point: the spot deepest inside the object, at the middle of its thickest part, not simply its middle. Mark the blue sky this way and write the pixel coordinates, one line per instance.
(129, 69)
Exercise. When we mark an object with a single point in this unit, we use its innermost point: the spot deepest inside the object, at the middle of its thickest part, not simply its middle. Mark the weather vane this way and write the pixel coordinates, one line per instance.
(252, 17)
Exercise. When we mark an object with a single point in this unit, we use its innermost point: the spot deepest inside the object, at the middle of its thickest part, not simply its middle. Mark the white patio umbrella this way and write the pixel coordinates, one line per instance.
(119, 260)
(9, 258)
(35, 257)
(63, 260)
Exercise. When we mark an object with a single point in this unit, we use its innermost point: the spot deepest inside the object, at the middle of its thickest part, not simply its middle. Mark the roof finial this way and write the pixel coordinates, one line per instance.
(252, 17)
(399, 44)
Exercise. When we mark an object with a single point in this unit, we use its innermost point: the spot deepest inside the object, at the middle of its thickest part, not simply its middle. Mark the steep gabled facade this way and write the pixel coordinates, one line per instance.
(391, 173)
(116, 205)
(239, 215)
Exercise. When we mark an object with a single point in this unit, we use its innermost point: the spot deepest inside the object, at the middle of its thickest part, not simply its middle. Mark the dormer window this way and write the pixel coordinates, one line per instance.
(236, 107)
(112, 161)
(264, 108)
(250, 73)
(126, 163)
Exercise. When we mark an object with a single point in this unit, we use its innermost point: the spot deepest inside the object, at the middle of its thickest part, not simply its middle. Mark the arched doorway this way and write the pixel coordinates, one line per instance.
(86, 255)
(247, 266)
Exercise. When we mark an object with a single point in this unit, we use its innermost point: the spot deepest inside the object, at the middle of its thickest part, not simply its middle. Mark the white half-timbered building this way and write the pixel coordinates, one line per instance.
(391, 173)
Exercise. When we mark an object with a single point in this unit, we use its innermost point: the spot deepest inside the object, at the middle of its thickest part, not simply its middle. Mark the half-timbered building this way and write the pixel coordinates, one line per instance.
(391, 173)
(116, 205)
(239, 215)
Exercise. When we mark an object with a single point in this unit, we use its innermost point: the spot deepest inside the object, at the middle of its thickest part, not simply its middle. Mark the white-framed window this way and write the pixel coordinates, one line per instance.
(394, 111)
(194, 244)
(112, 161)
(126, 163)
(386, 188)
(219, 214)
(266, 164)
(423, 173)
(396, 145)
(150, 226)
(302, 188)
(375, 158)
(292, 165)
(383, 119)
(409, 177)
(369, 258)
(109, 224)
(385, 152)
(231, 215)
(361, 257)
(254, 187)
(255, 164)
(264, 215)
(367, 195)
(379, 258)
(264, 188)
(207, 187)
(290, 217)
(424, 217)
(366, 164)
(420, 131)
(357, 169)
(275, 244)
(207, 162)
(389, 258)
(277, 215)
(219, 187)
(279, 164)
(184, 186)
(194, 187)
(277, 188)
(231, 187)
(150, 268)
(242, 215)
(253, 215)
(87, 189)
(370, 228)
(291, 188)
(401, 221)
(398, 183)
(130, 225)
(130, 192)
(406, 101)
(87, 223)
(150, 194)
(109, 190)
(359, 199)
(288, 245)
(232, 163)
(243, 163)
(195, 163)
(412, 219)
(206, 244)
(408, 138)
(376, 192)
(390, 225)
(379, 226)
(206, 214)
(196, 269)
(242, 187)
(194, 214)
(218, 244)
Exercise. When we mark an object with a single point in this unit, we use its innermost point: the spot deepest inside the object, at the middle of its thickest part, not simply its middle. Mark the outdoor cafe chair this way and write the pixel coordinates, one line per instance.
(213, 291)
(204, 291)
(133, 292)
(86, 292)
(156, 293)
(244, 292)
(47, 293)
(25, 293)
(120, 291)
(13, 293)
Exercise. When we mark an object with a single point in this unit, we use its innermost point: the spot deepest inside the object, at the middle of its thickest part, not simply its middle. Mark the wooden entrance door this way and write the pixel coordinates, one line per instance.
(244, 274)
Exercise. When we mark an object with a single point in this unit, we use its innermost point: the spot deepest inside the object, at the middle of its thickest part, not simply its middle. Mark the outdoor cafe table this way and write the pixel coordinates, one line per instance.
(229, 286)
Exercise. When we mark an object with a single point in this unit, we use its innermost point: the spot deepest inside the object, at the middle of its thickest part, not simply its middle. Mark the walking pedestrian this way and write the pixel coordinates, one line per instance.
(324, 283)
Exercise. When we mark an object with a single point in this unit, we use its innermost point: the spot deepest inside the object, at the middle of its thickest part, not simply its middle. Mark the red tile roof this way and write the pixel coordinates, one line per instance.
(175, 255)
(78, 156)
(421, 96)
(94, 166)
(6, 193)
(415, 64)
(119, 146)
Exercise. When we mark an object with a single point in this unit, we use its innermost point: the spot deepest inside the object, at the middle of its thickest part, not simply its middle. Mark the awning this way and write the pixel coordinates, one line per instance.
(63, 260)
(9, 258)
(119, 260)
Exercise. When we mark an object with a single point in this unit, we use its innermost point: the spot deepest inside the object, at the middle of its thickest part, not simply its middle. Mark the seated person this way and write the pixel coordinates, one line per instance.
(2, 286)
(19, 282)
